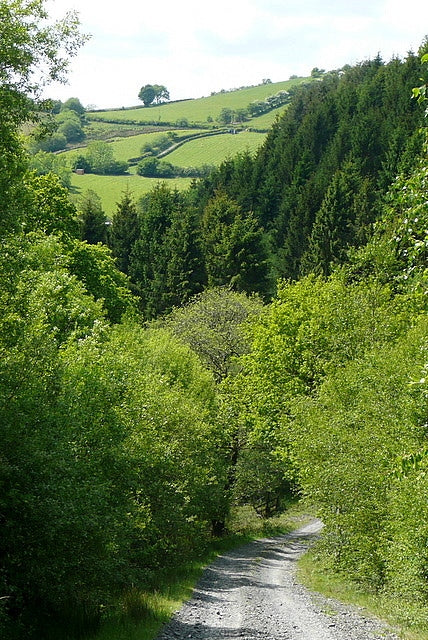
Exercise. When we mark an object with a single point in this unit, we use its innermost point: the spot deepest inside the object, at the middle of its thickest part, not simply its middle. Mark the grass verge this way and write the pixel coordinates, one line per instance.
(409, 620)
(141, 614)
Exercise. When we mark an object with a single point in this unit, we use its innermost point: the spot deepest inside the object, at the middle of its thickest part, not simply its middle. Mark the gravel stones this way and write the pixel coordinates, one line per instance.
(251, 593)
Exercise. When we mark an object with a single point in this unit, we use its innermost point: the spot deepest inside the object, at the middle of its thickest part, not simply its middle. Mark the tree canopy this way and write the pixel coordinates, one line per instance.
(150, 93)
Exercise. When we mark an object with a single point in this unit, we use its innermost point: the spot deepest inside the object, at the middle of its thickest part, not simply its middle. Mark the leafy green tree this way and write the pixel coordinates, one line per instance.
(110, 442)
(147, 94)
(241, 115)
(171, 408)
(226, 116)
(350, 442)
(148, 167)
(51, 143)
(159, 143)
(65, 127)
(213, 325)
(95, 268)
(317, 73)
(81, 162)
(155, 168)
(39, 466)
(50, 209)
(43, 163)
(150, 93)
(55, 106)
(100, 158)
(34, 53)
(70, 126)
(73, 104)
(162, 93)
(312, 329)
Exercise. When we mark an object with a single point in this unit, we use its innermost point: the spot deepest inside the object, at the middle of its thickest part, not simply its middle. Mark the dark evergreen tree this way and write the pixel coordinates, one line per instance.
(165, 262)
(335, 226)
(363, 114)
(93, 220)
(124, 231)
(185, 269)
(234, 247)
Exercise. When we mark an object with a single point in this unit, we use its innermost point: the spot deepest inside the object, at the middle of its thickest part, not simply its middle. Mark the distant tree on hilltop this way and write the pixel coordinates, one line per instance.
(153, 93)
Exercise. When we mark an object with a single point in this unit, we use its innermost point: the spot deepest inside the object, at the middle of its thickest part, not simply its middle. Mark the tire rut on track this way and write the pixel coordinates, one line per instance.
(251, 593)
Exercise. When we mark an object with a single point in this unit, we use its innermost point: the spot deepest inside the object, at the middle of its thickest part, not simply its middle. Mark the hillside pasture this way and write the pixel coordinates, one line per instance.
(96, 130)
(111, 188)
(213, 150)
(196, 111)
(127, 148)
(264, 122)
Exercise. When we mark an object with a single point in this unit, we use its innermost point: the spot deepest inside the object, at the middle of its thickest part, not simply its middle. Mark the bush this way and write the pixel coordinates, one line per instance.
(55, 142)
(72, 130)
(160, 143)
(81, 162)
(148, 167)
(348, 444)
(154, 168)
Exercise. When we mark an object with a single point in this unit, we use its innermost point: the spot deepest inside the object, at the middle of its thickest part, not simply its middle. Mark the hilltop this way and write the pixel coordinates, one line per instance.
(203, 111)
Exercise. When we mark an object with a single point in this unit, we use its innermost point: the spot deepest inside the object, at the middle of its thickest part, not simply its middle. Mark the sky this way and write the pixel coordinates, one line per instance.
(194, 48)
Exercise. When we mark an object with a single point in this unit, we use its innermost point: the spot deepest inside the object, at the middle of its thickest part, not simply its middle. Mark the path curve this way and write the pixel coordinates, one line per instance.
(251, 593)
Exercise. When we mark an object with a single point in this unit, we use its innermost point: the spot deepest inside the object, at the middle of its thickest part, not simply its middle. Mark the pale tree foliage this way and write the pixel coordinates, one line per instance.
(34, 51)
(213, 325)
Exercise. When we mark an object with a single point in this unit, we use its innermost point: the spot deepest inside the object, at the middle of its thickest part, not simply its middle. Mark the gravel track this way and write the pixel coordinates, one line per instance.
(251, 593)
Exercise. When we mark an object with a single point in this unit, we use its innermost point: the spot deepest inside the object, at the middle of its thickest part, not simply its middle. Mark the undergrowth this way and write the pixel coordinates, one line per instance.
(409, 620)
(140, 613)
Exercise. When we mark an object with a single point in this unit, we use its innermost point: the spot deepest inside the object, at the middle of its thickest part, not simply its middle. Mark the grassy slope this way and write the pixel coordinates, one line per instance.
(111, 188)
(215, 149)
(197, 111)
(127, 148)
(212, 150)
(265, 121)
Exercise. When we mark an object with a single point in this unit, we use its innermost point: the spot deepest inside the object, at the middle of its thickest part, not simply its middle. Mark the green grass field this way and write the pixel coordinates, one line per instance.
(127, 148)
(199, 110)
(265, 121)
(111, 188)
(107, 131)
(212, 150)
(215, 149)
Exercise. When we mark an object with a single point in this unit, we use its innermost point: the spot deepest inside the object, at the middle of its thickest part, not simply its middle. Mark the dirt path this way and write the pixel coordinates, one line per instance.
(251, 593)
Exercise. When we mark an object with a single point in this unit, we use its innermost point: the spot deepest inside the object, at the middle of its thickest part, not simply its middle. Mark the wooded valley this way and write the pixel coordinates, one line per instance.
(259, 336)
